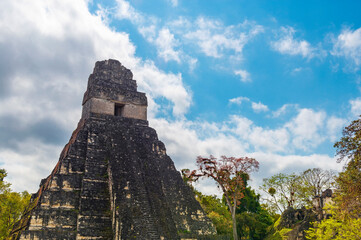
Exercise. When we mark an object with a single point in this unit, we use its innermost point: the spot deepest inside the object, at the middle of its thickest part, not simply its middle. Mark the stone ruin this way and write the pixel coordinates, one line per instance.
(321, 201)
(114, 179)
(300, 220)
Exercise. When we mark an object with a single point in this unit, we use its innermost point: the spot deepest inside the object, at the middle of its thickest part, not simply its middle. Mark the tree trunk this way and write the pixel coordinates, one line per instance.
(232, 209)
(233, 212)
(235, 237)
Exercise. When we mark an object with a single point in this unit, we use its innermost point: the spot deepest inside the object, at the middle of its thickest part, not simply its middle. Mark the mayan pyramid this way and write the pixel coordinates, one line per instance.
(114, 179)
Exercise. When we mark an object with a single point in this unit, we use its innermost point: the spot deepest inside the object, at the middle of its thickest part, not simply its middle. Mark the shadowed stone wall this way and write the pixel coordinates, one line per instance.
(110, 84)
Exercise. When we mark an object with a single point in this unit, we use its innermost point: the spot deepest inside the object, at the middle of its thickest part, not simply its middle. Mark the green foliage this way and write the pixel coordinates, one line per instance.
(339, 226)
(345, 222)
(250, 201)
(283, 232)
(349, 147)
(4, 186)
(349, 181)
(253, 220)
(230, 175)
(296, 190)
(275, 233)
(253, 225)
(217, 212)
(186, 176)
(313, 182)
(284, 191)
(12, 205)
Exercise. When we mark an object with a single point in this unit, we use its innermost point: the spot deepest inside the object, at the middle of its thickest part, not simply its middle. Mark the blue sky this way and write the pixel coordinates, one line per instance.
(274, 80)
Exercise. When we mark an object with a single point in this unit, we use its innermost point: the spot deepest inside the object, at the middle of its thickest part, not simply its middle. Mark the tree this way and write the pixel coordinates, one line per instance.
(284, 191)
(349, 147)
(4, 186)
(296, 190)
(349, 181)
(230, 174)
(338, 226)
(217, 211)
(12, 205)
(345, 222)
(318, 180)
(314, 182)
(253, 220)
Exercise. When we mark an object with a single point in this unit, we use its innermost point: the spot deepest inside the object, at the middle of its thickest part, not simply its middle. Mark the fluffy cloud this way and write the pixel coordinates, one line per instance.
(174, 2)
(306, 127)
(47, 55)
(348, 45)
(245, 76)
(176, 40)
(269, 140)
(239, 136)
(259, 107)
(356, 107)
(282, 110)
(305, 131)
(157, 83)
(287, 44)
(126, 11)
(165, 43)
(214, 39)
(29, 163)
(239, 100)
(334, 126)
(149, 27)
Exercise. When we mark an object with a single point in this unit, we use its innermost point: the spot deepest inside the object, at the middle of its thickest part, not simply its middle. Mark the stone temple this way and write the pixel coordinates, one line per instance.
(114, 179)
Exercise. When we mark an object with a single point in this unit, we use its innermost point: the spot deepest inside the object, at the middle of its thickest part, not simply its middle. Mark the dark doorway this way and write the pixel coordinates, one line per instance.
(118, 109)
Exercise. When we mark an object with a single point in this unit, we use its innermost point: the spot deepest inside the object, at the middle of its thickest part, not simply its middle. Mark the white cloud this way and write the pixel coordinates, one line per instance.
(176, 40)
(287, 44)
(348, 45)
(239, 100)
(269, 140)
(214, 39)
(276, 163)
(193, 62)
(297, 70)
(179, 24)
(155, 32)
(126, 11)
(174, 2)
(355, 107)
(259, 107)
(334, 127)
(165, 43)
(27, 168)
(306, 129)
(148, 32)
(239, 136)
(245, 76)
(256, 138)
(157, 83)
(239, 125)
(282, 110)
(184, 143)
